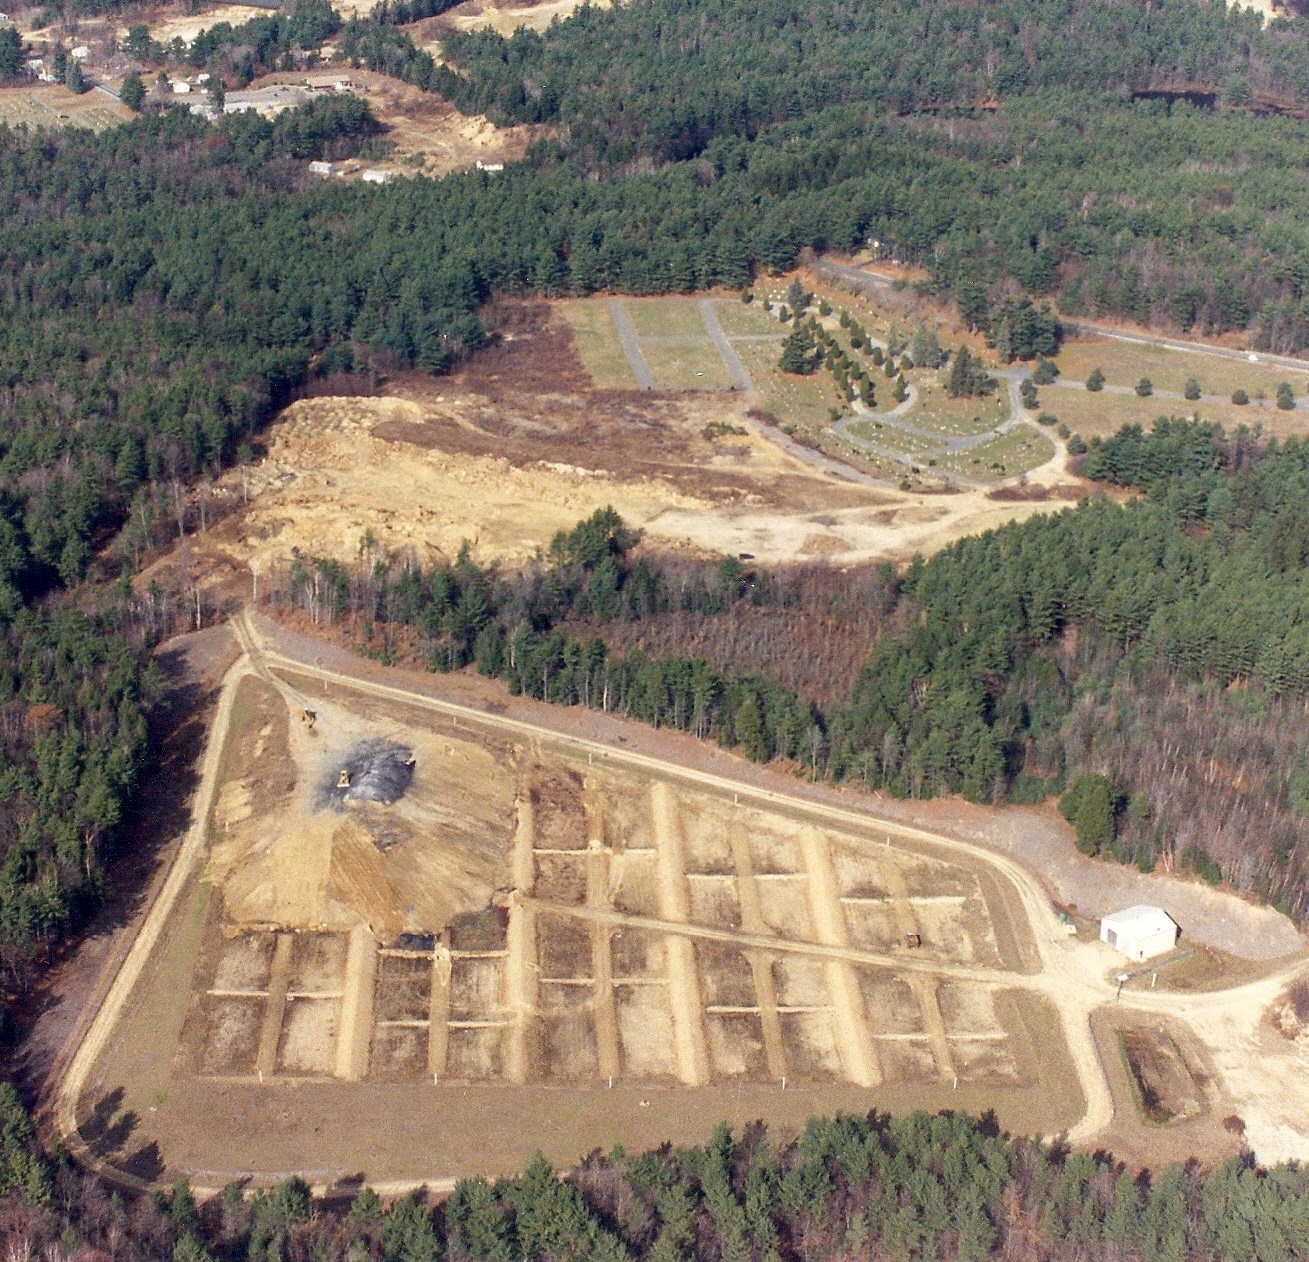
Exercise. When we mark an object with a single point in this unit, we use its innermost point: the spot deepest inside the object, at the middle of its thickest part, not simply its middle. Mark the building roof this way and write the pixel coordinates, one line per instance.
(1142, 918)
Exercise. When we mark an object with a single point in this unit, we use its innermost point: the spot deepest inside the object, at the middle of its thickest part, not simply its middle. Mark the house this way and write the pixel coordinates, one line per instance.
(181, 87)
(490, 166)
(80, 53)
(1140, 932)
(374, 176)
(323, 168)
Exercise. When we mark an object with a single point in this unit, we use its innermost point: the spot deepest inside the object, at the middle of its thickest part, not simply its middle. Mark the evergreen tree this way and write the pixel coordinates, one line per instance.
(1285, 396)
(924, 348)
(1095, 382)
(11, 52)
(1090, 805)
(1191, 390)
(132, 92)
(798, 352)
(74, 80)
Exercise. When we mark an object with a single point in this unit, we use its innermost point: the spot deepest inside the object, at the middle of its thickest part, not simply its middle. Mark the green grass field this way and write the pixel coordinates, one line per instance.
(887, 435)
(935, 410)
(741, 319)
(597, 344)
(52, 105)
(801, 401)
(686, 365)
(1099, 415)
(1125, 363)
(1019, 451)
(665, 317)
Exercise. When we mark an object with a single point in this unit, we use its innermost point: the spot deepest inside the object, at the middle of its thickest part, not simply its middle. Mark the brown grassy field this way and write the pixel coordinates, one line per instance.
(489, 958)
(53, 105)
(1125, 363)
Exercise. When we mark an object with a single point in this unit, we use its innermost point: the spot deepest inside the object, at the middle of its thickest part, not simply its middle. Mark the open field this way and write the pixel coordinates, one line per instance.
(1125, 363)
(169, 26)
(936, 411)
(1101, 414)
(593, 338)
(414, 990)
(53, 105)
(679, 364)
(528, 916)
(1001, 457)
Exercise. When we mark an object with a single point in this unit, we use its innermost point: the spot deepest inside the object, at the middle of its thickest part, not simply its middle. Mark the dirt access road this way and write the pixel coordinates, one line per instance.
(1075, 978)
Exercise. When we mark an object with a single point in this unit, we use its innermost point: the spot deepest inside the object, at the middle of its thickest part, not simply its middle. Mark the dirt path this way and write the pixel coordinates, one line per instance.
(1075, 978)
(189, 856)
(725, 348)
(631, 344)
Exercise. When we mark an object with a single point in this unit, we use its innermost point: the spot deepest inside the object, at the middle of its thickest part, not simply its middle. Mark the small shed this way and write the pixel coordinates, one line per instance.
(1140, 932)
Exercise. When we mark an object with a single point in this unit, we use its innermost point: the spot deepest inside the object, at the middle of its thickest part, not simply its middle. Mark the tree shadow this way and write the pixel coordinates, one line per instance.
(109, 1125)
(145, 1163)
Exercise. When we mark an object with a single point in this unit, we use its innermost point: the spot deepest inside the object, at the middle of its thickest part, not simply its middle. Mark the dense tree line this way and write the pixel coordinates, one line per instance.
(523, 628)
(1160, 645)
(72, 745)
(947, 1187)
(664, 79)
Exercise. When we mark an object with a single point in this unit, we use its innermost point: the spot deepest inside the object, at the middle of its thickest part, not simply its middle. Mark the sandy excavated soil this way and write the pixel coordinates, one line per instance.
(506, 19)
(282, 858)
(430, 137)
(521, 445)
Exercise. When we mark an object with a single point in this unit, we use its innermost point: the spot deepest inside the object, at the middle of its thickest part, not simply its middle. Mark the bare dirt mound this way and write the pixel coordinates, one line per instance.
(520, 445)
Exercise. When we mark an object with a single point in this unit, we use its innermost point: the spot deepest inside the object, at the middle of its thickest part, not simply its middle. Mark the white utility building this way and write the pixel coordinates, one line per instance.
(1140, 932)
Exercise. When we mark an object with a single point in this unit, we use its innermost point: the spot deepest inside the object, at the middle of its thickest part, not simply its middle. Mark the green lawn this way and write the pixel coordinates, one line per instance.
(1125, 363)
(887, 435)
(741, 319)
(686, 365)
(597, 344)
(1102, 414)
(665, 317)
(935, 410)
(1018, 451)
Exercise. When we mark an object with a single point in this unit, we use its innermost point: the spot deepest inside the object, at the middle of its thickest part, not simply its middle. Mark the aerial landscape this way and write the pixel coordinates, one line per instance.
(661, 629)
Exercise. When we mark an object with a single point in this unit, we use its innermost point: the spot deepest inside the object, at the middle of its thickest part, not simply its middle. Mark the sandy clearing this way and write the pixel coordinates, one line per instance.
(186, 26)
(428, 135)
(506, 20)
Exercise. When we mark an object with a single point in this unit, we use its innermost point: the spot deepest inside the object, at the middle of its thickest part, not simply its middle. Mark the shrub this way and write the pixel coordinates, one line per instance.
(1240, 398)
(1095, 382)
(1192, 389)
(1047, 418)
(1144, 388)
